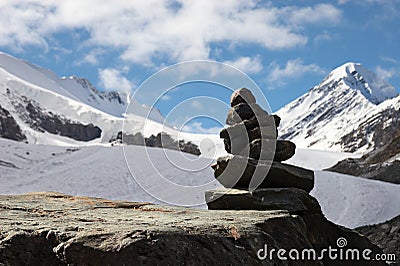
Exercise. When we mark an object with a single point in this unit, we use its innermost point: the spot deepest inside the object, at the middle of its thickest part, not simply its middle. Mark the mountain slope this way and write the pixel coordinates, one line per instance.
(31, 96)
(75, 88)
(328, 116)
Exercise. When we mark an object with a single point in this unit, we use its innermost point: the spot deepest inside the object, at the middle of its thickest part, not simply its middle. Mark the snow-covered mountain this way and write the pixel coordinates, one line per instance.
(39, 107)
(351, 110)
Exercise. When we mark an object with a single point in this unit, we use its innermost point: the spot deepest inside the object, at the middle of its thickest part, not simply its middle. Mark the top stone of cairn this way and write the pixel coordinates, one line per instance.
(242, 95)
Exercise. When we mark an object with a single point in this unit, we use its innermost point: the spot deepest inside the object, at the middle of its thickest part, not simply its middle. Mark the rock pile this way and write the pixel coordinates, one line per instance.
(255, 153)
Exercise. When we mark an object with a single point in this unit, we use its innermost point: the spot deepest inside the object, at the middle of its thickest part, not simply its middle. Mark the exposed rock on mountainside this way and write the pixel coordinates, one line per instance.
(58, 125)
(376, 131)
(380, 164)
(385, 235)
(68, 101)
(41, 120)
(56, 229)
(111, 96)
(162, 140)
(9, 128)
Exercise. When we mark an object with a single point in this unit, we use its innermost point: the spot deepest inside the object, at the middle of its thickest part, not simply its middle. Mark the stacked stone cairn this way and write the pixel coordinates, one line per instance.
(254, 164)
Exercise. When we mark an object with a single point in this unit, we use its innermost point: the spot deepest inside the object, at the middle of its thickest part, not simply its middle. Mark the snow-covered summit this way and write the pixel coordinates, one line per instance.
(335, 108)
(357, 77)
(75, 88)
(46, 109)
(27, 91)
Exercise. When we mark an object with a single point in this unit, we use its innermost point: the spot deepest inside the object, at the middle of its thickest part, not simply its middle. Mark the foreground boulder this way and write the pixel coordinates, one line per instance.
(385, 235)
(56, 229)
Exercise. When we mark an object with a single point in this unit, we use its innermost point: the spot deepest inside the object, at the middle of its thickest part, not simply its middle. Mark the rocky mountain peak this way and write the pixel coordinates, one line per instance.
(329, 115)
(354, 76)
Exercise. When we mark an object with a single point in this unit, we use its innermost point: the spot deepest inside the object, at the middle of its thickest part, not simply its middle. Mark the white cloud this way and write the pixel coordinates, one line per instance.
(165, 97)
(113, 80)
(92, 57)
(197, 127)
(196, 104)
(324, 36)
(247, 64)
(389, 59)
(21, 24)
(145, 31)
(385, 73)
(293, 69)
(321, 13)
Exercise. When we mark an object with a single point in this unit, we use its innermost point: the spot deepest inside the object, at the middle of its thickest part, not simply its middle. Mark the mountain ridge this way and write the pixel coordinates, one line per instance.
(329, 113)
(73, 98)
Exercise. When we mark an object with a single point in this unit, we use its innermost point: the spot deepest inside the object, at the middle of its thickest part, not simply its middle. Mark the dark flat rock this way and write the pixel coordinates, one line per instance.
(251, 128)
(293, 200)
(244, 111)
(237, 172)
(263, 149)
(285, 150)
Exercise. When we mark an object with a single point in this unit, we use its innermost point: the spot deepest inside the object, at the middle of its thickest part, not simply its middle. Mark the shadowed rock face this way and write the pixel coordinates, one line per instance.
(162, 140)
(56, 229)
(386, 235)
(56, 124)
(9, 128)
(377, 164)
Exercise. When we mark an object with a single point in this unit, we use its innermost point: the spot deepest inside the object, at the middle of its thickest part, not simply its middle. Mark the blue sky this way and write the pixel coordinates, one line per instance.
(285, 46)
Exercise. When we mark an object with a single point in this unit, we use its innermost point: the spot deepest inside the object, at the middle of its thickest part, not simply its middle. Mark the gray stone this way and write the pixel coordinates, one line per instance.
(293, 200)
(263, 149)
(244, 111)
(235, 171)
(267, 149)
(251, 128)
(285, 150)
(386, 235)
(33, 231)
(242, 95)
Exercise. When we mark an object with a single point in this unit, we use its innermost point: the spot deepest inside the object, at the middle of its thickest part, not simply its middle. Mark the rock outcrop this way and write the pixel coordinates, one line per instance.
(55, 124)
(162, 140)
(9, 128)
(56, 229)
(255, 153)
(379, 164)
(386, 235)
